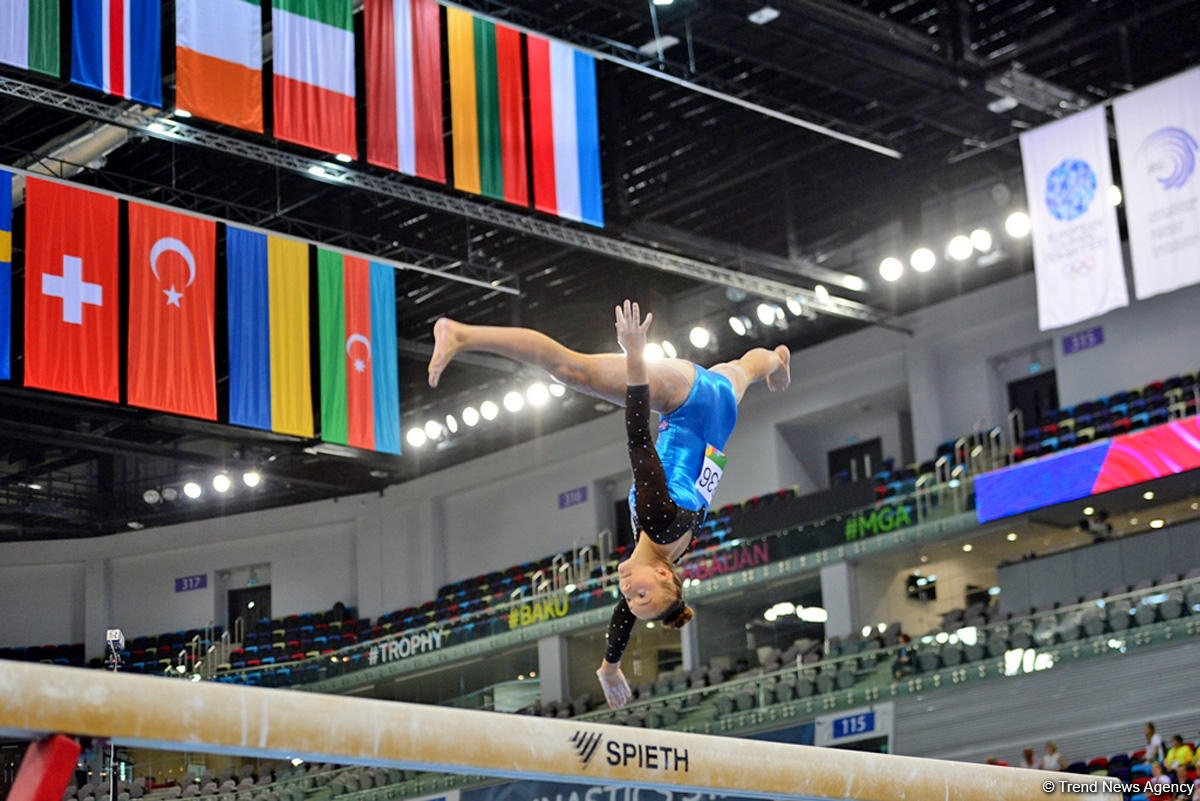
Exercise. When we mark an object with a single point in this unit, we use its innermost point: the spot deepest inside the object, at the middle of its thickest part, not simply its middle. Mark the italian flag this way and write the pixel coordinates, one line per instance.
(29, 35)
(487, 111)
(218, 61)
(404, 87)
(314, 73)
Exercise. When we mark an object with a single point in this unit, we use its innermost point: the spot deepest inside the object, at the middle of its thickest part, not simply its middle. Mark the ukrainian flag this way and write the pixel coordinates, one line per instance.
(5, 274)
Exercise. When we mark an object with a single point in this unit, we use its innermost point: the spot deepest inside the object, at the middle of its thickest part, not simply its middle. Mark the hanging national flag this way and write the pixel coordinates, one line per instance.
(218, 61)
(360, 386)
(172, 278)
(1076, 246)
(404, 87)
(314, 73)
(29, 35)
(5, 274)
(487, 113)
(1158, 137)
(71, 290)
(270, 382)
(565, 131)
(116, 47)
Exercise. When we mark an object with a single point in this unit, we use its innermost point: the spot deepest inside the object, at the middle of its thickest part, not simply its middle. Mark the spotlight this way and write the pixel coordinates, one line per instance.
(514, 401)
(795, 306)
(470, 416)
(669, 349)
(345, 158)
(968, 547)
(251, 478)
(766, 313)
(653, 352)
(922, 260)
(1088, 511)
(1011, 536)
(489, 410)
(960, 248)
(416, 437)
(1018, 225)
(537, 394)
(699, 337)
(1157, 522)
(737, 325)
(221, 482)
(182, 114)
(1148, 495)
(1114, 195)
(170, 493)
(452, 424)
(558, 390)
(891, 268)
(433, 429)
(981, 239)
(821, 292)
(192, 490)
(151, 496)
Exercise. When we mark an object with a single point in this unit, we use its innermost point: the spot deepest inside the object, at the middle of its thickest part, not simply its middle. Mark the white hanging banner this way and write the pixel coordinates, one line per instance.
(1157, 133)
(1076, 246)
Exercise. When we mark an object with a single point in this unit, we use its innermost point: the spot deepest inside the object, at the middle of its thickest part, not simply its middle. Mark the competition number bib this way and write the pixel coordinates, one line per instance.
(710, 473)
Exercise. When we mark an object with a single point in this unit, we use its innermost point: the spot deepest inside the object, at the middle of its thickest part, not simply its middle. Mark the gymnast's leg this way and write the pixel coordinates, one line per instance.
(758, 364)
(599, 375)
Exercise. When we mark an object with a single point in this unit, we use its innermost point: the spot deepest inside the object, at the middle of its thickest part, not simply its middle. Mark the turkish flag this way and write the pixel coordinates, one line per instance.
(172, 279)
(71, 291)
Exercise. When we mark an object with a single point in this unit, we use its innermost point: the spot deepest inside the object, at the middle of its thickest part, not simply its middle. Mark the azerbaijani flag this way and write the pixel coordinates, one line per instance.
(487, 111)
(404, 87)
(5, 274)
(218, 61)
(314, 73)
(116, 47)
(565, 131)
(29, 35)
(270, 382)
(360, 383)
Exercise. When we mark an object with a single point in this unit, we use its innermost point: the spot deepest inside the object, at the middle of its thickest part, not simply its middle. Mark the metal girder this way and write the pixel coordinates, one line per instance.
(396, 187)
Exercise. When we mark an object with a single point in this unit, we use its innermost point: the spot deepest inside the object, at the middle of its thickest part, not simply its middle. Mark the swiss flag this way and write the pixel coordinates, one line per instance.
(171, 287)
(71, 291)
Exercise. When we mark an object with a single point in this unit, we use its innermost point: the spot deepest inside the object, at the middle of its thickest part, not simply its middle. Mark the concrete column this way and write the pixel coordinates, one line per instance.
(552, 668)
(837, 596)
(690, 643)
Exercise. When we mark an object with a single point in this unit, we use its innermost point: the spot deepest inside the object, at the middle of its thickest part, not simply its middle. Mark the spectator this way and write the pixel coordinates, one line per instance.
(1154, 745)
(1184, 788)
(1052, 760)
(1159, 781)
(1028, 760)
(992, 760)
(1179, 755)
(906, 658)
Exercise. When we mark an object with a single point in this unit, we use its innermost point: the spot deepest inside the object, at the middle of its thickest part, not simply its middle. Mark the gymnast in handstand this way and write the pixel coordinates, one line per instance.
(698, 408)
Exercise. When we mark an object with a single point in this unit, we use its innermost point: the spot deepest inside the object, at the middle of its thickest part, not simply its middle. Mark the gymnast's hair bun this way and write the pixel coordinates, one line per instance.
(681, 618)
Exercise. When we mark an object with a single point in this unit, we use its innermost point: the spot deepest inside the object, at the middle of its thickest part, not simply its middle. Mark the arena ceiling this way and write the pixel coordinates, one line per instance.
(730, 178)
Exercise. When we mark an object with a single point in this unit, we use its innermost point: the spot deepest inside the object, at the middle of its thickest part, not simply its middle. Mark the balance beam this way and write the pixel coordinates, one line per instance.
(174, 715)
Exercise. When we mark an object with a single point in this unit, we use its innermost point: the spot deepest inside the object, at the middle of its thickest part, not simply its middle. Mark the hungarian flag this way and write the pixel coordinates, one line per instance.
(116, 47)
(218, 61)
(565, 131)
(314, 73)
(270, 382)
(71, 290)
(172, 269)
(29, 35)
(487, 112)
(5, 274)
(404, 87)
(360, 384)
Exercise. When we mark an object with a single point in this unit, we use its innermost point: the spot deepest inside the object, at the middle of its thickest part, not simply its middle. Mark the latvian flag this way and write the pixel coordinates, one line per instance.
(218, 61)
(116, 47)
(565, 131)
(404, 87)
(314, 73)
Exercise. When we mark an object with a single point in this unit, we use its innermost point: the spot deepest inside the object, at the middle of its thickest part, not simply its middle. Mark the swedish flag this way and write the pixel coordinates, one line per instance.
(5, 273)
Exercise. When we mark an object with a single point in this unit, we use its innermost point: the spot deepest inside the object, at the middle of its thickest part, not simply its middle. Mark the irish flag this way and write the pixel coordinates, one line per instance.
(487, 113)
(360, 384)
(29, 35)
(218, 61)
(116, 47)
(565, 131)
(404, 87)
(314, 73)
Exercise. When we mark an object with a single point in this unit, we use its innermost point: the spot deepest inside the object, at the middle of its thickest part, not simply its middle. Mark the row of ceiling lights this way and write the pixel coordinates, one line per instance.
(537, 395)
(221, 483)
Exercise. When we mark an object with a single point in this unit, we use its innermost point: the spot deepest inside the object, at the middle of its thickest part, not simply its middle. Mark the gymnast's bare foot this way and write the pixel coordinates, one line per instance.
(446, 336)
(782, 376)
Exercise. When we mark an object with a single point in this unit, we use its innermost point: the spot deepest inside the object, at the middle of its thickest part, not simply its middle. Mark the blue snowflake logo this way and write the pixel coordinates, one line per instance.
(1070, 189)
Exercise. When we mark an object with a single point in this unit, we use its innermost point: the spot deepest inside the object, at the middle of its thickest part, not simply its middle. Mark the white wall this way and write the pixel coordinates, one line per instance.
(880, 592)
(41, 604)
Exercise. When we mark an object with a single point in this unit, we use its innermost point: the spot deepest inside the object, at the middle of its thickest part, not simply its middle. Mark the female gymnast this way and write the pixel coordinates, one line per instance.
(698, 408)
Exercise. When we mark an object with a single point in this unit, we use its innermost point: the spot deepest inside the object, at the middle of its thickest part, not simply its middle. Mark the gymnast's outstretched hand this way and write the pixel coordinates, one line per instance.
(616, 689)
(631, 329)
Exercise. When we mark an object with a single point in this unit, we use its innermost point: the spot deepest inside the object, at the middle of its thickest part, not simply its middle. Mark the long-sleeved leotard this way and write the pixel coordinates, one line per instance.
(658, 515)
